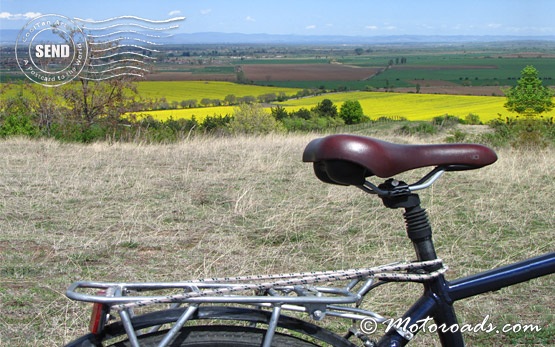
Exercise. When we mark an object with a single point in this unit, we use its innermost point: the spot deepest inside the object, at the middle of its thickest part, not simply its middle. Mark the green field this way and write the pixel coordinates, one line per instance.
(474, 69)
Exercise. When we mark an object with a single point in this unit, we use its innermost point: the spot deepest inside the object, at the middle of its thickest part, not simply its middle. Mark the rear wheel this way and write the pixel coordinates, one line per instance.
(218, 336)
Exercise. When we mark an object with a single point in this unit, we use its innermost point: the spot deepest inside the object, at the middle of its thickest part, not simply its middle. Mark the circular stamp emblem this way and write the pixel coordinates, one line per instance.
(51, 50)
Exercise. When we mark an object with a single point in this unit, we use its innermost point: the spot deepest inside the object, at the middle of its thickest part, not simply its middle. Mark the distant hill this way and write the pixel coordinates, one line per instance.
(237, 38)
(9, 36)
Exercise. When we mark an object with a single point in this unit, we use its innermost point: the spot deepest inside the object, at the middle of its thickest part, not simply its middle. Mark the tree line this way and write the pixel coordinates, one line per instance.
(228, 100)
(88, 111)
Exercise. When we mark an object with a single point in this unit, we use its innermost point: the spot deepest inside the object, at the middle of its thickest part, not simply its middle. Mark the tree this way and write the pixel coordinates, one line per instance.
(303, 113)
(91, 101)
(248, 99)
(529, 97)
(48, 106)
(351, 112)
(279, 113)
(206, 101)
(326, 108)
(267, 98)
(98, 95)
(230, 99)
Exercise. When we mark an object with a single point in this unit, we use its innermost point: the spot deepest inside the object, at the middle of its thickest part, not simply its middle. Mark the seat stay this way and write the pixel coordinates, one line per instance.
(349, 159)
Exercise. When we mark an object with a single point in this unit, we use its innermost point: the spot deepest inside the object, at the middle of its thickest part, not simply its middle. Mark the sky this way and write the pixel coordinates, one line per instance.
(310, 17)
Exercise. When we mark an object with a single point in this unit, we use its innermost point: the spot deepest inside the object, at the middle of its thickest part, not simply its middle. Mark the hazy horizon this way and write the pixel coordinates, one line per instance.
(312, 18)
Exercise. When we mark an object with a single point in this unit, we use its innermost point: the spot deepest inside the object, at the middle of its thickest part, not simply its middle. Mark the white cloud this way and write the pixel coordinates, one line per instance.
(174, 13)
(205, 11)
(250, 19)
(385, 27)
(494, 25)
(310, 27)
(19, 16)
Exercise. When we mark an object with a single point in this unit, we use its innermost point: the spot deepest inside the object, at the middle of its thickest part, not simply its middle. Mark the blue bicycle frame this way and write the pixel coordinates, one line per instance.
(439, 295)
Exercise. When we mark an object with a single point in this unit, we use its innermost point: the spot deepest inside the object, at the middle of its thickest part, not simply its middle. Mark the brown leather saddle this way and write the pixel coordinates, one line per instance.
(349, 159)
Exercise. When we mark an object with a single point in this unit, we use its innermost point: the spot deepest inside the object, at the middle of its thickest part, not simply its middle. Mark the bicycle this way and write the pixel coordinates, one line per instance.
(248, 310)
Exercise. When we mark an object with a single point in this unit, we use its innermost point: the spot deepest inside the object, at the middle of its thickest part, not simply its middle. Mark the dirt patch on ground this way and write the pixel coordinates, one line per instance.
(307, 72)
(475, 129)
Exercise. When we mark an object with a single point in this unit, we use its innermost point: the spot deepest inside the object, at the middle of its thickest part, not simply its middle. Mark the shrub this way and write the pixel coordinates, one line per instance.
(216, 124)
(253, 119)
(472, 119)
(456, 137)
(422, 128)
(17, 117)
(19, 124)
(521, 133)
(446, 121)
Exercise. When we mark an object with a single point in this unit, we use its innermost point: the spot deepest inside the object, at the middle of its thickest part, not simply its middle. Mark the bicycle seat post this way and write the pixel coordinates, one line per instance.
(418, 227)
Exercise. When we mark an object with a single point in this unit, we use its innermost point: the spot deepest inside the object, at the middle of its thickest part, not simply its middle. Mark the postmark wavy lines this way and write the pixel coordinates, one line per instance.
(123, 54)
(169, 20)
(128, 38)
(132, 32)
(107, 77)
(125, 60)
(124, 45)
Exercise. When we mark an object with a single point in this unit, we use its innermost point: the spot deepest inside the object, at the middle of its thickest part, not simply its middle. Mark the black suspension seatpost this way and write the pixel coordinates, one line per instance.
(418, 227)
(419, 232)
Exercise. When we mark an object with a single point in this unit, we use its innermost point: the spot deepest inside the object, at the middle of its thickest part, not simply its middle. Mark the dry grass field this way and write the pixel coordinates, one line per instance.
(206, 206)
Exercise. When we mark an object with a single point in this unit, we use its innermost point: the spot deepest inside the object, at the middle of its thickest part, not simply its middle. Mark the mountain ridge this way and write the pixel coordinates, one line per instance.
(8, 36)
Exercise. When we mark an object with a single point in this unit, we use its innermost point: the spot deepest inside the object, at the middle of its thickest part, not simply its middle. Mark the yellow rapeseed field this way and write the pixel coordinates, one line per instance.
(411, 106)
(198, 90)
(187, 113)
(375, 105)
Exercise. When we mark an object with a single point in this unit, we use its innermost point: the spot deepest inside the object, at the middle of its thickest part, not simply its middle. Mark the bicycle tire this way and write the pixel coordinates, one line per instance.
(218, 336)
